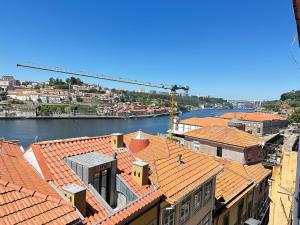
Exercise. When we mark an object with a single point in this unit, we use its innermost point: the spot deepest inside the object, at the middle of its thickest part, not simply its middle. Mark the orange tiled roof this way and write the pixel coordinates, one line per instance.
(205, 121)
(175, 180)
(50, 155)
(26, 198)
(19, 205)
(252, 116)
(236, 179)
(15, 169)
(226, 135)
(257, 171)
(232, 180)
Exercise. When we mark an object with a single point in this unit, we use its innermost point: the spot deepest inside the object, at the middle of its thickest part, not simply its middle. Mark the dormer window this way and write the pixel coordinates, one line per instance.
(98, 170)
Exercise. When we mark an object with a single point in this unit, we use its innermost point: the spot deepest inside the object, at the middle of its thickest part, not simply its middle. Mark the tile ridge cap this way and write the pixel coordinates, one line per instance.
(69, 140)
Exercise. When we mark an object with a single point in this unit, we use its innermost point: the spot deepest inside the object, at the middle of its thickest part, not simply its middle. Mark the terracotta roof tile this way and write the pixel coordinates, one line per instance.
(205, 121)
(54, 152)
(26, 198)
(225, 135)
(252, 116)
(175, 179)
(232, 180)
(257, 171)
(15, 169)
(237, 178)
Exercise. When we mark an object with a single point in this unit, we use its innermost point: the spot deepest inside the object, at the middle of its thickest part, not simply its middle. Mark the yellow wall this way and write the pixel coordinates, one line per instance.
(147, 217)
(282, 188)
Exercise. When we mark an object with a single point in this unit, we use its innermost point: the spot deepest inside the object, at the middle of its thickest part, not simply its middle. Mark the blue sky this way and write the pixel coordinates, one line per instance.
(232, 49)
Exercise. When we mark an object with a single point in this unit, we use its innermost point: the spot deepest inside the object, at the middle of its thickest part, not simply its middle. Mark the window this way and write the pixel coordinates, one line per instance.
(226, 219)
(249, 209)
(258, 130)
(101, 182)
(240, 211)
(196, 145)
(260, 187)
(185, 210)
(219, 151)
(207, 191)
(198, 199)
(205, 220)
(168, 217)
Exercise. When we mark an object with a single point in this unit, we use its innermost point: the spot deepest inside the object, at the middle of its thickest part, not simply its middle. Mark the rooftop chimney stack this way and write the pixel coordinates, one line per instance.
(140, 171)
(180, 161)
(117, 140)
(77, 196)
(138, 142)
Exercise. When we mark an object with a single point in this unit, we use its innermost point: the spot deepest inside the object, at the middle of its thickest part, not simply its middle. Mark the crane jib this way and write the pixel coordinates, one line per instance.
(105, 77)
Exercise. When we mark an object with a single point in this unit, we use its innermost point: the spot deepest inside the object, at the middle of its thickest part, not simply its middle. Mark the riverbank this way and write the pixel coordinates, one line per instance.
(81, 117)
(28, 131)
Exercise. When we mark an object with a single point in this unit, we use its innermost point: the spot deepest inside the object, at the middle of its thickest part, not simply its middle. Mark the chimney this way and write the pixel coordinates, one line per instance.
(138, 142)
(180, 161)
(117, 140)
(77, 196)
(140, 172)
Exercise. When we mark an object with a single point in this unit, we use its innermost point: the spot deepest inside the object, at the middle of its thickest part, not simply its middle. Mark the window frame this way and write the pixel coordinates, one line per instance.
(168, 214)
(197, 192)
(208, 184)
(186, 200)
(207, 216)
(219, 150)
(196, 146)
(226, 218)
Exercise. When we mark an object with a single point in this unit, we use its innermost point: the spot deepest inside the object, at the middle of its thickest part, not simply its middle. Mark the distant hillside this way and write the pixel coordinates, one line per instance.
(289, 99)
(292, 98)
(158, 98)
(182, 101)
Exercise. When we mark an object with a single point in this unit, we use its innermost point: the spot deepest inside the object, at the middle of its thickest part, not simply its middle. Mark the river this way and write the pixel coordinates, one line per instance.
(27, 131)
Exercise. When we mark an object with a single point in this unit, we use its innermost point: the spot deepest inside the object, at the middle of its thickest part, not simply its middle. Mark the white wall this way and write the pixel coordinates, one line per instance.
(31, 159)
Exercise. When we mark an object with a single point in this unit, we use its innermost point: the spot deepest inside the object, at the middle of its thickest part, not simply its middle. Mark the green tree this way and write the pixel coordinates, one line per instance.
(295, 117)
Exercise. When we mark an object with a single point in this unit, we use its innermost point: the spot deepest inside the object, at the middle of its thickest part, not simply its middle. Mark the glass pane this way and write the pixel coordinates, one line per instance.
(96, 183)
(104, 183)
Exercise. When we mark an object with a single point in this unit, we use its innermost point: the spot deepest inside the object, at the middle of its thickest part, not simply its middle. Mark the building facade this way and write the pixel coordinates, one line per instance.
(186, 179)
(226, 142)
(259, 124)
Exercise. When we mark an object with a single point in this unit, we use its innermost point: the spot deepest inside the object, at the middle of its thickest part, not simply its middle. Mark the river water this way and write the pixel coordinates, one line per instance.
(27, 131)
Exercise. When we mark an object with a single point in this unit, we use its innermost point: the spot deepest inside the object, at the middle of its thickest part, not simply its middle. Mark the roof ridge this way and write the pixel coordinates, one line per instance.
(33, 193)
(231, 170)
(69, 140)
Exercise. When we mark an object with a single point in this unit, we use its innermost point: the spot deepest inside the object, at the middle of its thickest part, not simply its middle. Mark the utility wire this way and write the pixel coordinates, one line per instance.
(292, 53)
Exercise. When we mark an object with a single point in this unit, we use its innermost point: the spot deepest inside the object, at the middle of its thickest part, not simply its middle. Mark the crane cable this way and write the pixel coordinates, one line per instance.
(292, 53)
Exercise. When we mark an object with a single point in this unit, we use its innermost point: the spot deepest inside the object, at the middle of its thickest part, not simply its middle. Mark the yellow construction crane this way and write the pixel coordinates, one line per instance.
(172, 88)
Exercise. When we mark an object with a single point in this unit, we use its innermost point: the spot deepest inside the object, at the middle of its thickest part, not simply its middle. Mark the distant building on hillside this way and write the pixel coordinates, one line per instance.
(7, 82)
